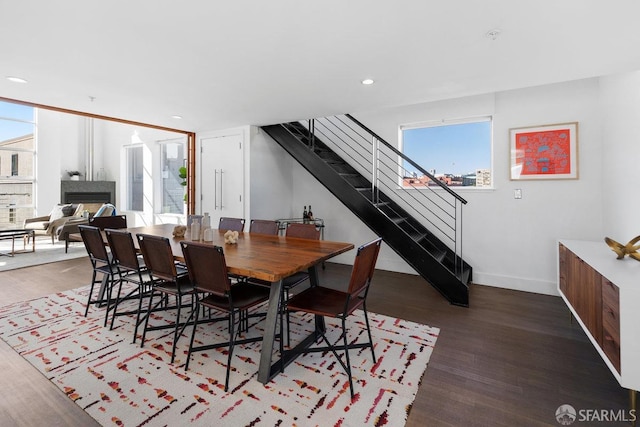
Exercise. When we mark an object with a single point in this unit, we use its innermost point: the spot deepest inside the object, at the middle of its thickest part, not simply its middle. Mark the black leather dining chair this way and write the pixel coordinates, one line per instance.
(233, 224)
(169, 280)
(340, 304)
(208, 272)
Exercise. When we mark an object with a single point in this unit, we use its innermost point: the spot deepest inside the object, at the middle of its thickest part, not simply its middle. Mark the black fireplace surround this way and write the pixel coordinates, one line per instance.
(87, 192)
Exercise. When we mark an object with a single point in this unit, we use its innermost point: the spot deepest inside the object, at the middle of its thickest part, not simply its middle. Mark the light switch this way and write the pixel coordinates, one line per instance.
(517, 193)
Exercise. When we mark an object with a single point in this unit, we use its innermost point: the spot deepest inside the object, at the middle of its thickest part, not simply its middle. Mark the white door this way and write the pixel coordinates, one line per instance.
(221, 177)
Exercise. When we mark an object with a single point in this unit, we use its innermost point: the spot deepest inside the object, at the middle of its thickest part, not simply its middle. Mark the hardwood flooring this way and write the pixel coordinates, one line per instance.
(510, 359)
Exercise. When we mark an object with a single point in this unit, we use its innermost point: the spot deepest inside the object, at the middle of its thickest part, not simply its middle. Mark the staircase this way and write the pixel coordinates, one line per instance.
(367, 175)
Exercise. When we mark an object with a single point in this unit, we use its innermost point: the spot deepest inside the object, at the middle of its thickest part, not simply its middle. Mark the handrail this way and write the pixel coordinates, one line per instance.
(404, 157)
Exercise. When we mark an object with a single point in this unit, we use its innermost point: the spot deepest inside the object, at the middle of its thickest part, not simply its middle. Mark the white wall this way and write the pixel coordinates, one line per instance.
(621, 155)
(510, 243)
(271, 179)
(58, 150)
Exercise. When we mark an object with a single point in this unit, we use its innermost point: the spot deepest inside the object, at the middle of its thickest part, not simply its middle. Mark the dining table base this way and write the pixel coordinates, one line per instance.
(268, 368)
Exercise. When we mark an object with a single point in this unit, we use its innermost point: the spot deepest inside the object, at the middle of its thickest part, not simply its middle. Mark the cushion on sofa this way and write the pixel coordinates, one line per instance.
(106, 210)
(36, 225)
(57, 212)
(69, 209)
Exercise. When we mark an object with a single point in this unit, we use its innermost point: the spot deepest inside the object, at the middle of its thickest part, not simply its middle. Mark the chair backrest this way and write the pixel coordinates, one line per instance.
(207, 267)
(94, 243)
(102, 222)
(263, 226)
(303, 231)
(363, 267)
(123, 249)
(233, 224)
(158, 256)
(191, 218)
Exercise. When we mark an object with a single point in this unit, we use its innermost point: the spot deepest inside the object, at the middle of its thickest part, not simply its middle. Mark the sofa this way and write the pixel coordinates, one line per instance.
(48, 225)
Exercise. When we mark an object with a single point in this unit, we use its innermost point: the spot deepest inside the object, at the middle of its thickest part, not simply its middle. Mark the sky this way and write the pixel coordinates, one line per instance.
(11, 129)
(454, 149)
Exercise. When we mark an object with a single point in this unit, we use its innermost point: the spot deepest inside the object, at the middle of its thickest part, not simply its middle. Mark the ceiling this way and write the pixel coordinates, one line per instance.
(221, 64)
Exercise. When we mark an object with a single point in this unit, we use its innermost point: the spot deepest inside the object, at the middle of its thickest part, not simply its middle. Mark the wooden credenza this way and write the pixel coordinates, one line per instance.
(603, 294)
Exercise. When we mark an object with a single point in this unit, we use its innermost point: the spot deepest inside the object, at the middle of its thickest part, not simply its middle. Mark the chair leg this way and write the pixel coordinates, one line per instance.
(285, 299)
(93, 284)
(281, 321)
(177, 328)
(366, 321)
(146, 320)
(193, 335)
(232, 339)
(141, 295)
(111, 305)
(346, 353)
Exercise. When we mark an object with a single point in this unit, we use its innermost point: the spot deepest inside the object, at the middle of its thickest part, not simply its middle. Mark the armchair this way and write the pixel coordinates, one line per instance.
(69, 231)
(47, 225)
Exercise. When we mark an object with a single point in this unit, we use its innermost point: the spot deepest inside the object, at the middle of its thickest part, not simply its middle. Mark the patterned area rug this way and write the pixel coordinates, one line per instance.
(119, 383)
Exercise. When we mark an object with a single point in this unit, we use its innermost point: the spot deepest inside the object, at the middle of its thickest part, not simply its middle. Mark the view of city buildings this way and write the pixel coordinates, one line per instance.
(482, 178)
(16, 180)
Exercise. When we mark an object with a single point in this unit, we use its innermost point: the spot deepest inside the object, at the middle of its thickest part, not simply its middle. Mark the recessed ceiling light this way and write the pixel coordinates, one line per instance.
(175, 116)
(493, 34)
(16, 79)
(367, 82)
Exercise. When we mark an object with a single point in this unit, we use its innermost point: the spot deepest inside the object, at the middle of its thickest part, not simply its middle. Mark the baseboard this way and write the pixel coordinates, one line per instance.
(516, 283)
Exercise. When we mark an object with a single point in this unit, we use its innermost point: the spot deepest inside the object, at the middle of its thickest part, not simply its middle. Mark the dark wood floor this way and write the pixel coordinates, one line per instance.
(510, 359)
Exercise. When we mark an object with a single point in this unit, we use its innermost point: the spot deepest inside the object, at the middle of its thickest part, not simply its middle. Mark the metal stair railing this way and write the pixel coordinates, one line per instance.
(436, 207)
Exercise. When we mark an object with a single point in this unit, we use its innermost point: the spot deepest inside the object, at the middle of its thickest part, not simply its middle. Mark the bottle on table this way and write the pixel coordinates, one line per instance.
(310, 214)
(304, 215)
(195, 230)
(207, 233)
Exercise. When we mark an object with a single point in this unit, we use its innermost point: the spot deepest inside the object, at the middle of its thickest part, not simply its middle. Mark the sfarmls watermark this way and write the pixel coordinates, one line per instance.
(567, 415)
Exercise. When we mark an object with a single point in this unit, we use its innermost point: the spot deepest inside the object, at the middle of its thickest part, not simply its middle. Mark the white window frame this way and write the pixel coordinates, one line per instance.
(449, 122)
(126, 188)
(159, 181)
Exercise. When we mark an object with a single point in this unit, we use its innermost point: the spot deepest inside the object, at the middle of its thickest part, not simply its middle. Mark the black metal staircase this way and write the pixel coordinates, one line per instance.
(373, 185)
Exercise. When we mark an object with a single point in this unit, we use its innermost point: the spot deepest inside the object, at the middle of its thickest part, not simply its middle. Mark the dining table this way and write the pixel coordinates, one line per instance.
(268, 258)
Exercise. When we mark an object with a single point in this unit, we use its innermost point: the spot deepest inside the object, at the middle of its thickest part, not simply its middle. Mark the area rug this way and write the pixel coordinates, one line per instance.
(45, 253)
(118, 383)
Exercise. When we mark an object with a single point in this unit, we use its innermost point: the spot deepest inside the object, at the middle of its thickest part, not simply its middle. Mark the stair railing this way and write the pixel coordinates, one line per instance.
(437, 207)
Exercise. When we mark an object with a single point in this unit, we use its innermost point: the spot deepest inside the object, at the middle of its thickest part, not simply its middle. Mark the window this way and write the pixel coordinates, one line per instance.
(457, 152)
(171, 160)
(14, 165)
(135, 178)
(17, 163)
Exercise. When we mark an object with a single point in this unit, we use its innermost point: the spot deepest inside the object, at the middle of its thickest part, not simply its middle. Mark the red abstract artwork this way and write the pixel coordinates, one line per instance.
(544, 152)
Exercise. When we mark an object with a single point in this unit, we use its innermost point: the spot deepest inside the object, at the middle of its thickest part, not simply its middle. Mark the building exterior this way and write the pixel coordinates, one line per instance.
(16, 180)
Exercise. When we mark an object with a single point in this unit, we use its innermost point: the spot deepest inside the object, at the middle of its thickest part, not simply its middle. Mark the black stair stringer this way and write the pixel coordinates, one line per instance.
(429, 265)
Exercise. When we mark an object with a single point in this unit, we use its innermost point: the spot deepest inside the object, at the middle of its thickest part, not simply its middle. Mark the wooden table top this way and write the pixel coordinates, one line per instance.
(259, 256)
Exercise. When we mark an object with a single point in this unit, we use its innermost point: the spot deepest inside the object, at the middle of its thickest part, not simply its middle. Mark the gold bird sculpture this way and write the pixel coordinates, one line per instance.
(628, 249)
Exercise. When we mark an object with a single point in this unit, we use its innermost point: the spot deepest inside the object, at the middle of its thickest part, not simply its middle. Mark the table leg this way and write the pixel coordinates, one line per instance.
(268, 369)
(103, 288)
(266, 352)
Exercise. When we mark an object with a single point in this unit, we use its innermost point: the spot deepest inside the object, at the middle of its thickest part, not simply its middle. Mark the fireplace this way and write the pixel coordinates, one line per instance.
(88, 192)
(87, 197)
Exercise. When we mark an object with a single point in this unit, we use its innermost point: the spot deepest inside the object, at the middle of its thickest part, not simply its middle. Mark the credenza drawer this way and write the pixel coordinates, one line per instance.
(611, 322)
